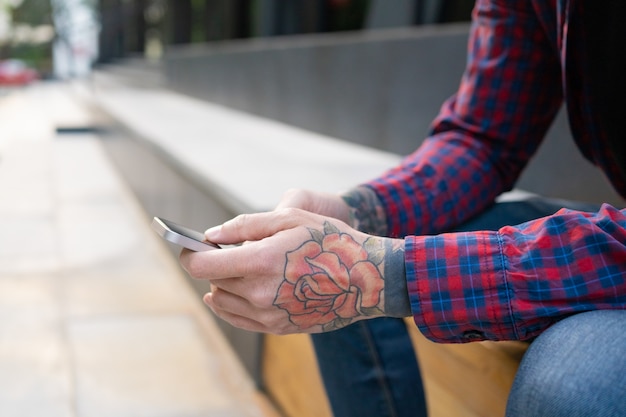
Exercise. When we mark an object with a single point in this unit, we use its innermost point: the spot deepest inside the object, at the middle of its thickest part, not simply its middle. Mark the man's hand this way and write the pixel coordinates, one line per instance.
(326, 204)
(297, 272)
(359, 207)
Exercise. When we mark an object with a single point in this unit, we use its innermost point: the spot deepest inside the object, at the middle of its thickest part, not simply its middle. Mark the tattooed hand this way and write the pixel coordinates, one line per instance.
(331, 279)
(360, 208)
(296, 272)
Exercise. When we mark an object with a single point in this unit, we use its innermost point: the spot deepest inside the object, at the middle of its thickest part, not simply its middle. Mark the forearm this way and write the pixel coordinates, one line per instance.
(475, 150)
(516, 282)
(367, 214)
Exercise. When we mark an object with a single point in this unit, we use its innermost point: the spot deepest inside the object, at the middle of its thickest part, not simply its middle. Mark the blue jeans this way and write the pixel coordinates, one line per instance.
(370, 369)
(577, 367)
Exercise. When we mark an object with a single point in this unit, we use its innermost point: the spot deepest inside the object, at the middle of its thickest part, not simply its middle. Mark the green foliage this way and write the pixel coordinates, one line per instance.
(33, 13)
(36, 56)
(30, 13)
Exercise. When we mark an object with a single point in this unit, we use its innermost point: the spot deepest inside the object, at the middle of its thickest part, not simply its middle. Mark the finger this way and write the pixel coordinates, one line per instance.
(257, 226)
(235, 320)
(237, 286)
(231, 262)
(236, 311)
(240, 313)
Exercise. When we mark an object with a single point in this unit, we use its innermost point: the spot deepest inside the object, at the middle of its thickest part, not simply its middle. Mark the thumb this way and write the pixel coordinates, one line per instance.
(257, 226)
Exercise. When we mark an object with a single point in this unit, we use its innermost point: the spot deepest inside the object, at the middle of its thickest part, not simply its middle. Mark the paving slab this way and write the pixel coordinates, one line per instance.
(146, 366)
(96, 317)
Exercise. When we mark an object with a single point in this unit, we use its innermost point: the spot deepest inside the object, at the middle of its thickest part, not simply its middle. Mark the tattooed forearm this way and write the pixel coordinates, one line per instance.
(367, 211)
(369, 216)
(396, 297)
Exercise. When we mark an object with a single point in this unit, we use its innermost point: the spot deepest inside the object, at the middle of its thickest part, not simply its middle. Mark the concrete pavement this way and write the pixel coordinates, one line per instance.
(96, 319)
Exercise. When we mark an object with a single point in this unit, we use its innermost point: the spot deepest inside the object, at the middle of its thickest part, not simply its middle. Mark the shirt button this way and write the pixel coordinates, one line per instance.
(473, 335)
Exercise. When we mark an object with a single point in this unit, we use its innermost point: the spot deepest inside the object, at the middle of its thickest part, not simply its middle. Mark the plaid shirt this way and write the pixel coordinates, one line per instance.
(513, 283)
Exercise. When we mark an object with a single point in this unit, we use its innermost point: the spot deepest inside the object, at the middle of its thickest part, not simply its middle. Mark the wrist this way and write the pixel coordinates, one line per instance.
(366, 211)
(396, 293)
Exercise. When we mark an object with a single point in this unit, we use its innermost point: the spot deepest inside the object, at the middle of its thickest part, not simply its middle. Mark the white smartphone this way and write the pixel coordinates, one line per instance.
(182, 236)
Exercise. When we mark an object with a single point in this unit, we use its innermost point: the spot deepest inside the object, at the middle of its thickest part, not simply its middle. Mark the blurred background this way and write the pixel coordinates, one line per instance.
(65, 38)
(58, 39)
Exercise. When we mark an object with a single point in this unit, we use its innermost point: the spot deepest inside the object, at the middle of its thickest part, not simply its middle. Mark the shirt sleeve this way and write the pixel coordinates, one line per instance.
(514, 283)
(485, 134)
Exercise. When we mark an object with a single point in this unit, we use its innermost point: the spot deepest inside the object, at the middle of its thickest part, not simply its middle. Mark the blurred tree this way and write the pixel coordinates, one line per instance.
(33, 13)
(31, 33)
(29, 17)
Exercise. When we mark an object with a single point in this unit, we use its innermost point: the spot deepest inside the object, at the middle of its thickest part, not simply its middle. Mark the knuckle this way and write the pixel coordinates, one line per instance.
(289, 214)
(253, 265)
(240, 221)
(277, 323)
(260, 299)
(282, 330)
(217, 299)
(234, 320)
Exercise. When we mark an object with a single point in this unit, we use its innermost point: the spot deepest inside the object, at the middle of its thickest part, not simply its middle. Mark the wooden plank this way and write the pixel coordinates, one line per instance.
(442, 403)
(291, 377)
(461, 380)
(479, 375)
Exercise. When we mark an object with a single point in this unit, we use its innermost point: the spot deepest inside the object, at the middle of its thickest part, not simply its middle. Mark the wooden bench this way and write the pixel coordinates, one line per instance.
(464, 380)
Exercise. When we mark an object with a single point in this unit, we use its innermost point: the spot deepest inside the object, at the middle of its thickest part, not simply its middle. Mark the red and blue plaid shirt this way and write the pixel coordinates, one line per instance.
(515, 282)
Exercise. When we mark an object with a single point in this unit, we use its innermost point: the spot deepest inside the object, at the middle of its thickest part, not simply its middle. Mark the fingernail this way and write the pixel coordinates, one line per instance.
(212, 232)
(207, 300)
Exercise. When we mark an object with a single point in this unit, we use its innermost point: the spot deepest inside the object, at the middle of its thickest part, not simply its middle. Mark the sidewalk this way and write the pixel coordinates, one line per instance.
(96, 319)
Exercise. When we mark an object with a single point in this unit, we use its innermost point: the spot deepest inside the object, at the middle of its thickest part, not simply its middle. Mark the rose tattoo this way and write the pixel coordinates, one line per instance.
(331, 279)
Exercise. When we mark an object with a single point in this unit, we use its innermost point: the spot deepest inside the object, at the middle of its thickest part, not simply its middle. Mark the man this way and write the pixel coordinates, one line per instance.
(319, 263)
